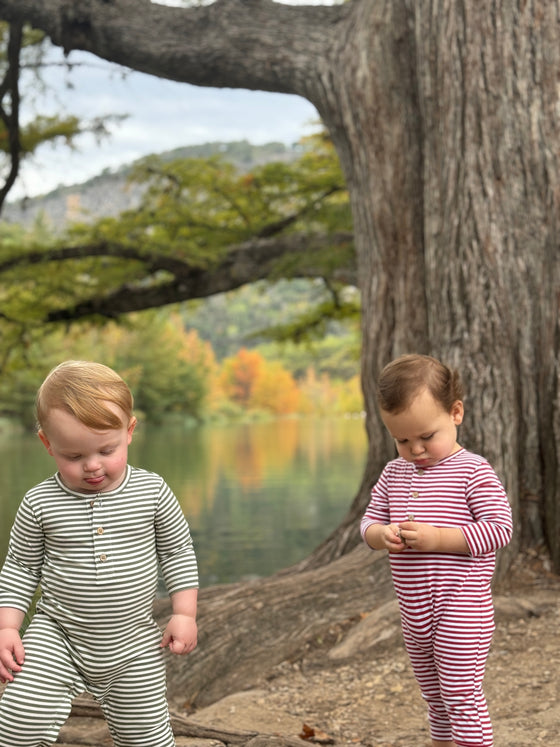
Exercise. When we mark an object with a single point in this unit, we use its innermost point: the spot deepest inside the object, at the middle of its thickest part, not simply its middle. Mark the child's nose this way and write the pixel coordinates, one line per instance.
(91, 464)
(417, 447)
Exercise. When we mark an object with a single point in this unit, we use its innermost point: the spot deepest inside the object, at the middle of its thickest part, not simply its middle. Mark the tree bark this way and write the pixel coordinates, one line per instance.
(248, 629)
(445, 118)
(489, 99)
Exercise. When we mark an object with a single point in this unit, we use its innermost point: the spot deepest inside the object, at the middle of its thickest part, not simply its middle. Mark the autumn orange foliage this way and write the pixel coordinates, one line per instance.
(253, 382)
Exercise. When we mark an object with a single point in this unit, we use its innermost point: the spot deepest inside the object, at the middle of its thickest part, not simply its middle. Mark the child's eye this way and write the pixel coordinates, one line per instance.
(427, 438)
(401, 440)
(106, 452)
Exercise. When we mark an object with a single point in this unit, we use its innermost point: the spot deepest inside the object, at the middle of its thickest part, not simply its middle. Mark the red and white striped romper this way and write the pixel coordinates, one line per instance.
(445, 599)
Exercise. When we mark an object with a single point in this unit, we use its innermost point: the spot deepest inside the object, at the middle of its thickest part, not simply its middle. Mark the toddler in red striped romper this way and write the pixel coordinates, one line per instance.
(441, 512)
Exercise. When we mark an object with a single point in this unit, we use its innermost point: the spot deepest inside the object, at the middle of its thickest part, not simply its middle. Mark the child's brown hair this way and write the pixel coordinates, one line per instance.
(83, 389)
(405, 377)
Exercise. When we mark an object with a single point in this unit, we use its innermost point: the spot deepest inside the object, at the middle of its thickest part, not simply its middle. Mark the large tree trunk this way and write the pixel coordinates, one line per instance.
(490, 106)
(453, 166)
(445, 117)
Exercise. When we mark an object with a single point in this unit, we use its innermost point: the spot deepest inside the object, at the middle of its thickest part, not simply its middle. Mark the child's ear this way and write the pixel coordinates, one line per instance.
(457, 412)
(43, 436)
(131, 426)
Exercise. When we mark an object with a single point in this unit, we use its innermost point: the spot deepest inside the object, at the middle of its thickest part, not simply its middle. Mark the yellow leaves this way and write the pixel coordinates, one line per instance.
(255, 383)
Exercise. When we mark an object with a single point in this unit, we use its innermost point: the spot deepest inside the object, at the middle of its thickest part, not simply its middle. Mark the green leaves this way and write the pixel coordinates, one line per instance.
(193, 217)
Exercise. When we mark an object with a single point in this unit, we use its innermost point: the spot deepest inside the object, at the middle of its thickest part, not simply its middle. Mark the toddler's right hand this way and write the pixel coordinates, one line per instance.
(392, 538)
(12, 654)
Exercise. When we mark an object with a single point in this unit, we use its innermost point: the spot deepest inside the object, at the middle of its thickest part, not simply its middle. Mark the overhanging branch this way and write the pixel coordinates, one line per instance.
(257, 259)
(10, 118)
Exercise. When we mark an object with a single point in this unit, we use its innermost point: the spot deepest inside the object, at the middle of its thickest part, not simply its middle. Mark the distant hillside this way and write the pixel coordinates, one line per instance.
(109, 193)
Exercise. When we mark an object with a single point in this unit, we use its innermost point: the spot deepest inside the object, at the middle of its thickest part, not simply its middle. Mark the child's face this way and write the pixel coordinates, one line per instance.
(425, 433)
(88, 461)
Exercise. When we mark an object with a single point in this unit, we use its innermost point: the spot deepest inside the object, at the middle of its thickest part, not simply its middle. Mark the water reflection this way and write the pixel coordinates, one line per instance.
(258, 497)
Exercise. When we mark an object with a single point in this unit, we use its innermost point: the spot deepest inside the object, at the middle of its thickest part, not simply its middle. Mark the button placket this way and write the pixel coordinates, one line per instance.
(100, 549)
(414, 492)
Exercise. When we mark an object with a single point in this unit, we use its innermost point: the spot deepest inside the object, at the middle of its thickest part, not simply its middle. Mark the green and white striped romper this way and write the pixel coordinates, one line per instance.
(96, 558)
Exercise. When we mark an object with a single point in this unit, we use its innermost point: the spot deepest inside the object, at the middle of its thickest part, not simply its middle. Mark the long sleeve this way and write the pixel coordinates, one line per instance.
(377, 511)
(461, 491)
(21, 572)
(174, 543)
(492, 527)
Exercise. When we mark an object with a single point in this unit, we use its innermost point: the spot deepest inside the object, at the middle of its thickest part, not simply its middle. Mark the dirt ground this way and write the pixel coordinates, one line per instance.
(354, 687)
(363, 702)
(376, 703)
(334, 694)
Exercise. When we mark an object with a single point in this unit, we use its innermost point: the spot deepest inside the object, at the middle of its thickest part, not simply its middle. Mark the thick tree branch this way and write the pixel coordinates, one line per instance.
(257, 259)
(10, 118)
(254, 44)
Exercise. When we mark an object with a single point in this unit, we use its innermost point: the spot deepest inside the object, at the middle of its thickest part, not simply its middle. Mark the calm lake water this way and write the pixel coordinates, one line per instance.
(258, 497)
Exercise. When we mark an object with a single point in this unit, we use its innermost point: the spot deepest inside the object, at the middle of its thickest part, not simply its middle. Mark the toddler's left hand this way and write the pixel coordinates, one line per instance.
(421, 537)
(180, 634)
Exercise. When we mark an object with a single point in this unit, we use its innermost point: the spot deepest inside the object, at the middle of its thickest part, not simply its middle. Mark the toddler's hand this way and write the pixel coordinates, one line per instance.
(180, 634)
(12, 654)
(421, 537)
(392, 538)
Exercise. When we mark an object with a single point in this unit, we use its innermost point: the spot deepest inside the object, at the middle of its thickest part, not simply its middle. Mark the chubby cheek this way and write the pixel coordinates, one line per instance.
(117, 464)
(403, 452)
(440, 448)
(70, 473)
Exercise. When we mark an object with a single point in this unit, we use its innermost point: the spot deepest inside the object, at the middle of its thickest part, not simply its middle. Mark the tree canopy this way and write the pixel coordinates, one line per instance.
(202, 227)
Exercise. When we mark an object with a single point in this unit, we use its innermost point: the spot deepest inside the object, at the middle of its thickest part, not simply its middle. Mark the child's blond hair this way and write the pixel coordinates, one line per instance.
(405, 377)
(83, 389)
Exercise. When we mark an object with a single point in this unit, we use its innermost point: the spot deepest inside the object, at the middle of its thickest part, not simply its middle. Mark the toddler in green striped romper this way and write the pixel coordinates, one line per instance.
(93, 536)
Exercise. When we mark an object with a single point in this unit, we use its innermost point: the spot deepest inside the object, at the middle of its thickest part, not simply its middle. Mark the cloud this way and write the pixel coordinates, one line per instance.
(160, 115)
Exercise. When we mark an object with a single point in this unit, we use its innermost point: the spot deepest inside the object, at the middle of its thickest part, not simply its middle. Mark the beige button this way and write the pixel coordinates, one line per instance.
(420, 471)
(415, 494)
(92, 504)
(102, 557)
(100, 530)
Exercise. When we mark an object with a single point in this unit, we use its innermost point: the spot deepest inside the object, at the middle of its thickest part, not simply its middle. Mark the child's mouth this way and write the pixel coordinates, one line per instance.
(95, 480)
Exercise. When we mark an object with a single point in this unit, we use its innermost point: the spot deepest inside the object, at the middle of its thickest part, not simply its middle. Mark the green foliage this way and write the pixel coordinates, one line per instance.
(168, 373)
(249, 317)
(167, 368)
(197, 209)
(32, 46)
(335, 355)
(236, 319)
(193, 211)
(313, 335)
(173, 373)
(44, 129)
(313, 324)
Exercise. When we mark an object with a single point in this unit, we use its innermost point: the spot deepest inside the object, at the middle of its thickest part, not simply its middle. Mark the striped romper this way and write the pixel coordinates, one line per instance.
(445, 599)
(96, 558)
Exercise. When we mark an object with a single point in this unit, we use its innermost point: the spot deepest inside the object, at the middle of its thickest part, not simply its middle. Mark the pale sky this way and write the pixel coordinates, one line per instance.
(162, 115)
